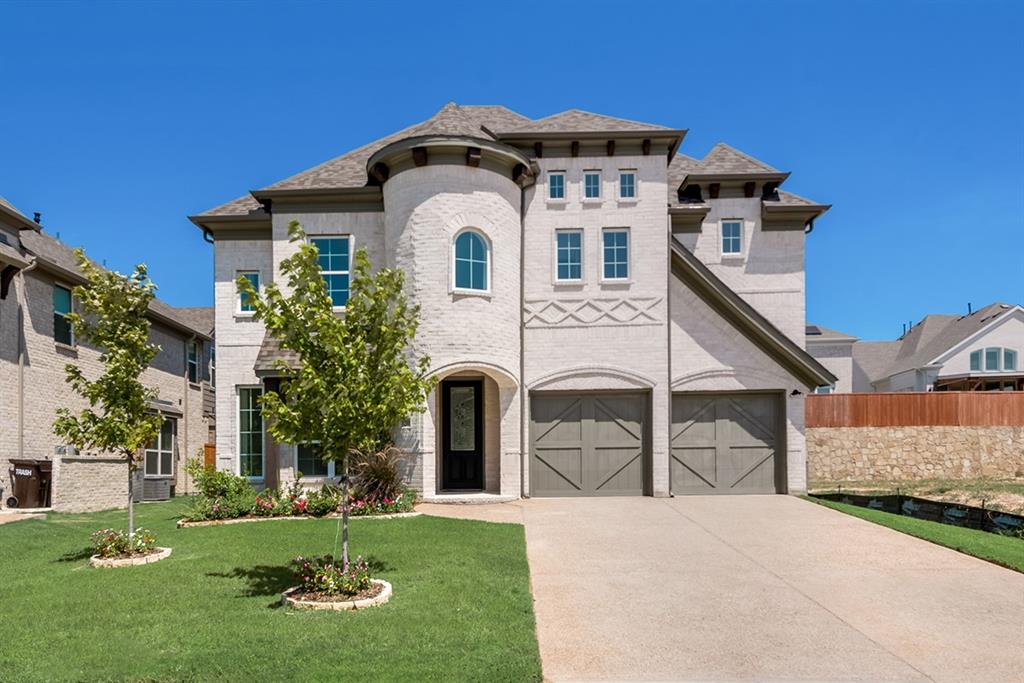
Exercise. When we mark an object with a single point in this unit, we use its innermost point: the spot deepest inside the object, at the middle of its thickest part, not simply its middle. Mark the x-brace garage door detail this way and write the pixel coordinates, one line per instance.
(588, 445)
(725, 443)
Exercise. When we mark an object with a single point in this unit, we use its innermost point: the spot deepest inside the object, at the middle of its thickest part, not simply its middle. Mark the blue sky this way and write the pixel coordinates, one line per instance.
(122, 119)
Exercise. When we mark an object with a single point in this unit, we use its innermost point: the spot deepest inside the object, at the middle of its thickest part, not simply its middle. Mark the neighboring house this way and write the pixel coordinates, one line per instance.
(38, 274)
(605, 316)
(980, 351)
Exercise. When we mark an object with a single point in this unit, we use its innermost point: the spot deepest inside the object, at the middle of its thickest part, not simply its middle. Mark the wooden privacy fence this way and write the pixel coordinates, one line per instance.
(939, 408)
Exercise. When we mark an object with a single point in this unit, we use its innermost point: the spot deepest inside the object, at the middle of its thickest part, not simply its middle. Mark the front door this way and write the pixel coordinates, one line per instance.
(463, 434)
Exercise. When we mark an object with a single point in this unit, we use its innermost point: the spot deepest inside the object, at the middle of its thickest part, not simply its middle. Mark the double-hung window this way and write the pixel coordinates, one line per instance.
(250, 433)
(591, 184)
(159, 461)
(615, 250)
(569, 245)
(556, 185)
(335, 255)
(192, 361)
(244, 300)
(627, 184)
(62, 331)
(732, 237)
(471, 261)
(309, 462)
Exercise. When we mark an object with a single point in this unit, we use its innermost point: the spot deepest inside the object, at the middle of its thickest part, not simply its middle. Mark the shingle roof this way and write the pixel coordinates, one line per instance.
(936, 334)
(200, 317)
(12, 212)
(8, 254)
(873, 358)
(793, 199)
(727, 160)
(451, 120)
(579, 121)
(822, 333)
(271, 352)
(51, 251)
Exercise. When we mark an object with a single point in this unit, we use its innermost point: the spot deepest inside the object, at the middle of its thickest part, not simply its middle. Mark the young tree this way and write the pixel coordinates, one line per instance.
(355, 379)
(112, 317)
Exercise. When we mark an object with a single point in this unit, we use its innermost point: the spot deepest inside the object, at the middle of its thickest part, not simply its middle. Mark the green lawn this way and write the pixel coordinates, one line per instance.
(462, 608)
(1004, 550)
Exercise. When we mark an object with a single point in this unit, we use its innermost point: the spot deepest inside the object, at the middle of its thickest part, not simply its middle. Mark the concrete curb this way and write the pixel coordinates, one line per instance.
(114, 562)
(339, 605)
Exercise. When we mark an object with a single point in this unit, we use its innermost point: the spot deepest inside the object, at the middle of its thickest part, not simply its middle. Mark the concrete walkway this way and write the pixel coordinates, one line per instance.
(765, 588)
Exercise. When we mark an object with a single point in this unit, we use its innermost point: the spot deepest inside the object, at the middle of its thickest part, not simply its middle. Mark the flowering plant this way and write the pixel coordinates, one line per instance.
(324, 575)
(119, 543)
(403, 502)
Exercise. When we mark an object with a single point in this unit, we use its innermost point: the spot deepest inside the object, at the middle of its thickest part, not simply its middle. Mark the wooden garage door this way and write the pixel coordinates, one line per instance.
(725, 443)
(587, 445)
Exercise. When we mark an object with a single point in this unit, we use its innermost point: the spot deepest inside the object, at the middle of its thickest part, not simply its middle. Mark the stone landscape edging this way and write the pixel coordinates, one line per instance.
(338, 605)
(114, 562)
(184, 523)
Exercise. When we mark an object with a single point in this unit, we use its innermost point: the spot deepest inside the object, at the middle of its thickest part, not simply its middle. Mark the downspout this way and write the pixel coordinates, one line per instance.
(524, 444)
(809, 227)
(208, 236)
(22, 300)
(188, 389)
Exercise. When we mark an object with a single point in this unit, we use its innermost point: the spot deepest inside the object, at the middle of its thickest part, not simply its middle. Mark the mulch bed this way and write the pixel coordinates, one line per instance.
(373, 591)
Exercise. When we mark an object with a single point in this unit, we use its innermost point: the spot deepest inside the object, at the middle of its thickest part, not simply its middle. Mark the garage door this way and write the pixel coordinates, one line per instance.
(725, 443)
(587, 445)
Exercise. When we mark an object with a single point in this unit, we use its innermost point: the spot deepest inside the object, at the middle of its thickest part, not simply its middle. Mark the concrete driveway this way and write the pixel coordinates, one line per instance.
(766, 588)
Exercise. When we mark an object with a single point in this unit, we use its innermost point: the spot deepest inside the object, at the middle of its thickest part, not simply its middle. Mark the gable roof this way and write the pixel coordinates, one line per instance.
(820, 333)
(724, 159)
(745, 318)
(9, 212)
(935, 334)
(59, 258)
(875, 357)
(199, 317)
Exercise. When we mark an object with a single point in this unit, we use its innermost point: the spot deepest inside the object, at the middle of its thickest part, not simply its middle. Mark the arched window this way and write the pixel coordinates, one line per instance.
(471, 255)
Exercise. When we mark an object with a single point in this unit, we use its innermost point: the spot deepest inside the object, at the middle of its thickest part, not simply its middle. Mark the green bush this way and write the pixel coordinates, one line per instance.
(323, 502)
(403, 502)
(220, 495)
(325, 575)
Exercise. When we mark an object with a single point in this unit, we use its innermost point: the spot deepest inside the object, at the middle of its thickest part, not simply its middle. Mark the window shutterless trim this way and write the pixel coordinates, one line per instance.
(628, 247)
(160, 450)
(193, 362)
(238, 433)
(635, 185)
(311, 477)
(454, 264)
(723, 238)
(348, 269)
(558, 253)
(71, 307)
(239, 309)
(583, 194)
(553, 174)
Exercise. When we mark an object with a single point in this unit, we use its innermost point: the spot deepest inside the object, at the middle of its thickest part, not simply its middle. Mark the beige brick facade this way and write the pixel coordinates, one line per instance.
(89, 481)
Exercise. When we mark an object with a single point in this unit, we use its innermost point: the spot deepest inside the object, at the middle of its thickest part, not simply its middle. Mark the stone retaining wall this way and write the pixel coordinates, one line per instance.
(910, 453)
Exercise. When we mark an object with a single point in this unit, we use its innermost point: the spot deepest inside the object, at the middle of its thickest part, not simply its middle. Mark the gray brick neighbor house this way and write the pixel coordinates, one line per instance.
(607, 316)
(37, 275)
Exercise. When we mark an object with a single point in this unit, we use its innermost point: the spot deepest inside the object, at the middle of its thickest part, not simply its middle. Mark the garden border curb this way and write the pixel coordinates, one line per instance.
(338, 605)
(185, 524)
(114, 562)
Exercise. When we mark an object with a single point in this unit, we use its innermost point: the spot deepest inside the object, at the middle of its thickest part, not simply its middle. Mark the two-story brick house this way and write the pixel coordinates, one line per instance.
(605, 315)
(38, 274)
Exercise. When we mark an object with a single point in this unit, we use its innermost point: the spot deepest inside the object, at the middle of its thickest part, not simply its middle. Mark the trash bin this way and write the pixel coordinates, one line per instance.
(31, 487)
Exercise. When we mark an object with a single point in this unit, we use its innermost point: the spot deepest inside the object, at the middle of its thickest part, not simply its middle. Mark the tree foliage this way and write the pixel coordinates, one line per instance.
(355, 378)
(111, 316)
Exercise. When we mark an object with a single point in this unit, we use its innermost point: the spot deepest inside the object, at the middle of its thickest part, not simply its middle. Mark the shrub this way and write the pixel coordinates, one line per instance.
(323, 502)
(385, 506)
(220, 495)
(324, 575)
(376, 476)
(119, 543)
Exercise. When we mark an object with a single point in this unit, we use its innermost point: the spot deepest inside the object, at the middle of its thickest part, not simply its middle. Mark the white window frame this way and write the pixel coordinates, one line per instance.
(331, 472)
(722, 238)
(565, 188)
(825, 389)
(238, 433)
(1016, 357)
(981, 360)
(583, 260)
(238, 295)
(999, 359)
(160, 450)
(629, 256)
(351, 255)
(488, 252)
(583, 186)
(71, 303)
(636, 185)
(198, 362)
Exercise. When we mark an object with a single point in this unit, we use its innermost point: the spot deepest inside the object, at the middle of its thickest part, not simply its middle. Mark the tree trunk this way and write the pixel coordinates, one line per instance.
(131, 504)
(344, 510)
